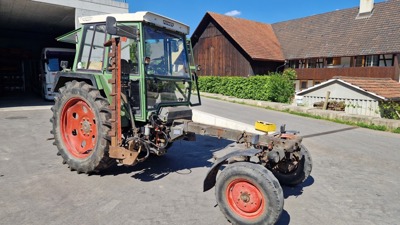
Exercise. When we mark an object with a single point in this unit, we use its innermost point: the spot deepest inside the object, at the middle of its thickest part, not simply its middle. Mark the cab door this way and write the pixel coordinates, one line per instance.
(195, 99)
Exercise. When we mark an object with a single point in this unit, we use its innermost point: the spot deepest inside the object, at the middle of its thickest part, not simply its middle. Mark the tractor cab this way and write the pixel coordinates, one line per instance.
(157, 69)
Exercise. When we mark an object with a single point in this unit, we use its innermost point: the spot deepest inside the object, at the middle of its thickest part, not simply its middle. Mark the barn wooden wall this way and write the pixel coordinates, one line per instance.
(218, 56)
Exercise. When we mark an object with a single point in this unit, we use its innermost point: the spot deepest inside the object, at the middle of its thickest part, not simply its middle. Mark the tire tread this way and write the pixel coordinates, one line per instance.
(99, 160)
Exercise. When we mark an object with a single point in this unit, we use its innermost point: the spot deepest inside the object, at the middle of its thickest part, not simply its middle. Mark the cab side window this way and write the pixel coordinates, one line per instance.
(91, 57)
(130, 54)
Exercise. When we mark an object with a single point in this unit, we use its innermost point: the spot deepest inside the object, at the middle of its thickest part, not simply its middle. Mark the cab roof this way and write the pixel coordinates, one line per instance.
(142, 16)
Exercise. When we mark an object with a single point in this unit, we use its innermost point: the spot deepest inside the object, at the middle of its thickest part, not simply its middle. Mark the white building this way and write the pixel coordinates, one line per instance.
(361, 96)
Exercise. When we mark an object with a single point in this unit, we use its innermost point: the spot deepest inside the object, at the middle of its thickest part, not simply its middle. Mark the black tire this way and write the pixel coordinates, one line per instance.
(248, 193)
(80, 127)
(300, 173)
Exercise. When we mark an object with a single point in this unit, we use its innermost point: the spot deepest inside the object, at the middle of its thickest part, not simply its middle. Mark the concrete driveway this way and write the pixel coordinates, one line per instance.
(354, 178)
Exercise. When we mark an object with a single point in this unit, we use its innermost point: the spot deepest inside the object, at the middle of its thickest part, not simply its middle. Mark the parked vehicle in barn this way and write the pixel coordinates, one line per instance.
(52, 61)
(128, 96)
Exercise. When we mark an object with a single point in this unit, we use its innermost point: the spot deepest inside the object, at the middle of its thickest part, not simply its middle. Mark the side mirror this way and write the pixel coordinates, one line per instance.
(64, 64)
(121, 30)
(111, 25)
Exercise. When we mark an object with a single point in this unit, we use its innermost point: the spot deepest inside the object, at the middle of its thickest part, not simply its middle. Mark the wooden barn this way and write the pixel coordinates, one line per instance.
(229, 46)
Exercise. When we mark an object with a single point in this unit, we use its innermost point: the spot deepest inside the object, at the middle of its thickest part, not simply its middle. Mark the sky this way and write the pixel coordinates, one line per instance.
(190, 12)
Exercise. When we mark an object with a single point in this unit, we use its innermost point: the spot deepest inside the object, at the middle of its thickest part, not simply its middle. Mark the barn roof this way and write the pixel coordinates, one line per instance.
(256, 39)
(341, 33)
(382, 88)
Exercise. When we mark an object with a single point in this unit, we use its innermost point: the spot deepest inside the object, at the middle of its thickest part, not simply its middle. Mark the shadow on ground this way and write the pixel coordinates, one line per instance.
(297, 190)
(181, 158)
(284, 219)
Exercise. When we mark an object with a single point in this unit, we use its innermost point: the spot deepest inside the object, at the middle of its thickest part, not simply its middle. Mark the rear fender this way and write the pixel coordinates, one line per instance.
(210, 180)
(62, 78)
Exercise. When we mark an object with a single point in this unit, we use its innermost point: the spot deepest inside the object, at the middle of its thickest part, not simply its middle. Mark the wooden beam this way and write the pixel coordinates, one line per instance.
(396, 75)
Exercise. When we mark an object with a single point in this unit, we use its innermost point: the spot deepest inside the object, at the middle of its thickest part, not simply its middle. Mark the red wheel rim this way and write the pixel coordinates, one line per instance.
(78, 128)
(245, 199)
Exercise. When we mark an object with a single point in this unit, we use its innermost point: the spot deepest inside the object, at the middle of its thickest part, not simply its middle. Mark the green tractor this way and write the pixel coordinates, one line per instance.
(128, 95)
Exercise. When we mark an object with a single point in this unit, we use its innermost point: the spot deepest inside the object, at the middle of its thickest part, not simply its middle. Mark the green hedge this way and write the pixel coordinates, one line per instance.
(390, 110)
(273, 87)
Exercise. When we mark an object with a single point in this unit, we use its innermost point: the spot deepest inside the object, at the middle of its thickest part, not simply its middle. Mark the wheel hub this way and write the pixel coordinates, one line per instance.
(86, 127)
(245, 198)
(78, 127)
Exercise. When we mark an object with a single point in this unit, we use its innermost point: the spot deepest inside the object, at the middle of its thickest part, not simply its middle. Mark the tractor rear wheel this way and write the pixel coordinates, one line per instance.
(248, 193)
(294, 171)
(80, 129)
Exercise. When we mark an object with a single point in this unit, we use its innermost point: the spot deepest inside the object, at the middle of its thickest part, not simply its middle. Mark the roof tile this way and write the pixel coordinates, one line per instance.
(258, 40)
(384, 87)
(339, 33)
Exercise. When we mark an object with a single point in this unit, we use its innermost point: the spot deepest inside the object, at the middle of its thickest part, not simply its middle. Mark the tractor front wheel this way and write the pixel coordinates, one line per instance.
(248, 193)
(80, 116)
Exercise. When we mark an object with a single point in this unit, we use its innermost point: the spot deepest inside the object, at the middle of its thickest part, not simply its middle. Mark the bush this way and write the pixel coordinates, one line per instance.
(389, 109)
(273, 87)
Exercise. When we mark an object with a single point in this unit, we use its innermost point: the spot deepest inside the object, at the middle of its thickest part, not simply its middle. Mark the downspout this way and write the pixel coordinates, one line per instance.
(284, 64)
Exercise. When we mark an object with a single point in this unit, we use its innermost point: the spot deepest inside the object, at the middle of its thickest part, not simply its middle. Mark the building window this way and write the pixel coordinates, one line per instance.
(333, 61)
(303, 84)
(316, 82)
(320, 63)
(311, 63)
(386, 60)
(372, 60)
(360, 61)
(302, 63)
(397, 57)
(345, 61)
(315, 63)
(294, 64)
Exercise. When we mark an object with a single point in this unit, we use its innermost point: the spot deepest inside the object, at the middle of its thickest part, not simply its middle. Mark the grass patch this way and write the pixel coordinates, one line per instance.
(302, 114)
(372, 126)
(358, 124)
(397, 130)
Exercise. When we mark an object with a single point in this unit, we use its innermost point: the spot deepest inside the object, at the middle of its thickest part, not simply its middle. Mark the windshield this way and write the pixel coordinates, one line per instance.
(165, 53)
(55, 58)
